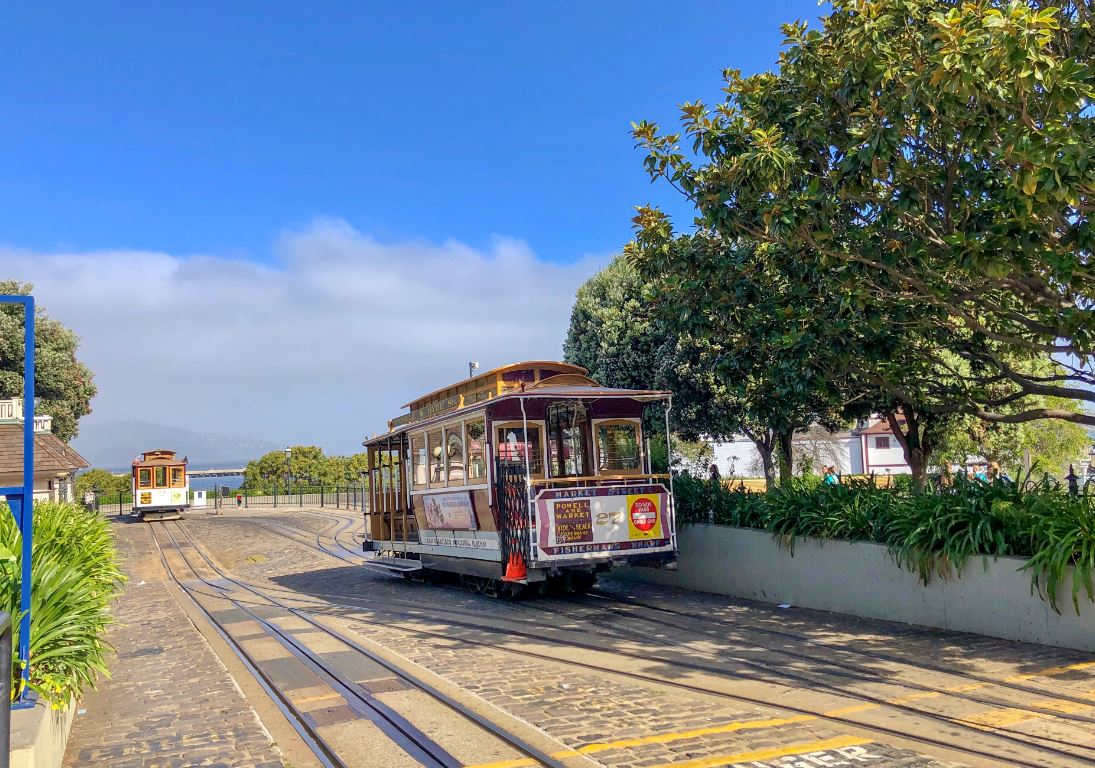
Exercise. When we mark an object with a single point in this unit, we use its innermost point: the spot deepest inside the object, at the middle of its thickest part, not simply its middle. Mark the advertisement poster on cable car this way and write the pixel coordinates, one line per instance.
(577, 522)
(449, 511)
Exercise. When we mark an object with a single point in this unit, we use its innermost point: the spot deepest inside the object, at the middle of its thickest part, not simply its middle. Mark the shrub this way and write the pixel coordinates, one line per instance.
(75, 577)
(932, 534)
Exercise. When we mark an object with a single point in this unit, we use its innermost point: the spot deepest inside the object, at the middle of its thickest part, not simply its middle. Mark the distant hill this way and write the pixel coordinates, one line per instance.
(113, 444)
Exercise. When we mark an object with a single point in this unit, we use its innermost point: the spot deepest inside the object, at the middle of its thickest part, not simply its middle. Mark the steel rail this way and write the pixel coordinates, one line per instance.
(310, 735)
(1021, 739)
(804, 640)
(392, 724)
(721, 694)
(757, 701)
(851, 671)
(512, 740)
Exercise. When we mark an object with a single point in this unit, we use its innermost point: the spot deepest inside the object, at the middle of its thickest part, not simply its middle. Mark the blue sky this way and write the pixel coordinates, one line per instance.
(303, 215)
(208, 127)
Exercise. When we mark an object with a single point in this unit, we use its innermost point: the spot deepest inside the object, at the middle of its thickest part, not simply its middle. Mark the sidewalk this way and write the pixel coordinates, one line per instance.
(169, 700)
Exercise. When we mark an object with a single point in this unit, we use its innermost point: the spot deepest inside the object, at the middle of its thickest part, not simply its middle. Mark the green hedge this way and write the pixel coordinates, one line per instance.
(932, 533)
(75, 577)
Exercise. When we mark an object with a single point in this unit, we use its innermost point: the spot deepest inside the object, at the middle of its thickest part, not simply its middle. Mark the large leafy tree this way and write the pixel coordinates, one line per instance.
(635, 330)
(64, 384)
(934, 156)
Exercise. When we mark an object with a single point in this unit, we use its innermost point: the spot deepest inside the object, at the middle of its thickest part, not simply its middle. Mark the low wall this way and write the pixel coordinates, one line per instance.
(992, 597)
(39, 736)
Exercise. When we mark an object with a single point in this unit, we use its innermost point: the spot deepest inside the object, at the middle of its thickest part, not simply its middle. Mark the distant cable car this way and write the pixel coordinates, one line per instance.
(161, 487)
(528, 474)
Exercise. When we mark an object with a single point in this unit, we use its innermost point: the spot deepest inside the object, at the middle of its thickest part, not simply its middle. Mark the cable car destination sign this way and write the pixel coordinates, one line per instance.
(583, 521)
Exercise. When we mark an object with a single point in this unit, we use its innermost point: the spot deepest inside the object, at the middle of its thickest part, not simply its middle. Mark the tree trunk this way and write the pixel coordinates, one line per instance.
(764, 445)
(915, 445)
(786, 457)
(769, 466)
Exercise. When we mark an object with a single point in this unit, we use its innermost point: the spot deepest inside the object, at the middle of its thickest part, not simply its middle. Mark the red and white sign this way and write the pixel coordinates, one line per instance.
(590, 522)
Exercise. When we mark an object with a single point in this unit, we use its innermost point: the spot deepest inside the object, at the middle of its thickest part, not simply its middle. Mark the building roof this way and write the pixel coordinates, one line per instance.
(51, 454)
(881, 427)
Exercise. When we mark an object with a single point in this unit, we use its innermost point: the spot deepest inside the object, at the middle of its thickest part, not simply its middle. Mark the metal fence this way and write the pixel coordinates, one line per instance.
(337, 497)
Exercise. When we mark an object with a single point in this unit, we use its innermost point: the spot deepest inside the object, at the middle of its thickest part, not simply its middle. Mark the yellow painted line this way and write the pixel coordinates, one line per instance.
(661, 738)
(664, 738)
(992, 718)
(1001, 717)
(770, 754)
(320, 697)
(1053, 671)
(850, 710)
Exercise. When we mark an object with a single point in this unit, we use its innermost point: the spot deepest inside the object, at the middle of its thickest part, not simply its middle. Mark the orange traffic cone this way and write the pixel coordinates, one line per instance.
(515, 569)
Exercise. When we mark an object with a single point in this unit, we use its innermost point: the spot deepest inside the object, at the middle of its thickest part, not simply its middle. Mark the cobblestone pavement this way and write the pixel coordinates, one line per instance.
(772, 698)
(169, 702)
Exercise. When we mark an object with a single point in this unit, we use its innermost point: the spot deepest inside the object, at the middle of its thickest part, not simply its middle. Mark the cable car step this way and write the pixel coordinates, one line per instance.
(397, 564)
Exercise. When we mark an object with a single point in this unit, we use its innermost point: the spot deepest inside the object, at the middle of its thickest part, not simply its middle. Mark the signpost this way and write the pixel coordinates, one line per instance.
(21, 498)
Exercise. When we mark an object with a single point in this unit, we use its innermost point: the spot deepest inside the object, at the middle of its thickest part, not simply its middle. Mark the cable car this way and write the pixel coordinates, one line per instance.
(161, 486)
(531, 474)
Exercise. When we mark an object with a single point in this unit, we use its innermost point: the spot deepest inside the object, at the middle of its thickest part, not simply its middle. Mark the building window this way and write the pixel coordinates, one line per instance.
(454, 454)
(882, 443)
(474, 432)
(418, 460)
(617, 447)
(437, 460)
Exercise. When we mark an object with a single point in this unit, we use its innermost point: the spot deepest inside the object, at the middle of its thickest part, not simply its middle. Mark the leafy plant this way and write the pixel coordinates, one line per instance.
(75, 577)
(931, 534)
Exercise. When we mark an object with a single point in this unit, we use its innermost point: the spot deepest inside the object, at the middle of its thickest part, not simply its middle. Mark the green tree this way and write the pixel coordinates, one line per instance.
(309, 467)
(107, 482)
(64, 384)
(946, 148)
(630, 330)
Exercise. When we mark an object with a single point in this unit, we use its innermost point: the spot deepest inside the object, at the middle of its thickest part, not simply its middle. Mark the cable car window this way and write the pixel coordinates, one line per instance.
(474, 432)
(437, 461)
(177, 477)
(567, 439)
(617, 447)
(512, 447)
(144, 478)
(418, 460)
(454, 454)
(161, 477)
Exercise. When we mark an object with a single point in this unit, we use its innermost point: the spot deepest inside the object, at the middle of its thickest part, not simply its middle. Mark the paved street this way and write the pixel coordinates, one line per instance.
(632, 677)
(169, 700)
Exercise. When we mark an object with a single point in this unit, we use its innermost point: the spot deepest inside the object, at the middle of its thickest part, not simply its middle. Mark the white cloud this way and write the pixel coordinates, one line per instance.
(323, 346)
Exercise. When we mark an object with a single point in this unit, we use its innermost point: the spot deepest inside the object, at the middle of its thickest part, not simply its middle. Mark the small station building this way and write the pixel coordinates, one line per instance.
(55, 463)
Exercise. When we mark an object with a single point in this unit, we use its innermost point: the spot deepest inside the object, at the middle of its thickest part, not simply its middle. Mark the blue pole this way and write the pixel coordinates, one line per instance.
(21, 499)
(27, 522)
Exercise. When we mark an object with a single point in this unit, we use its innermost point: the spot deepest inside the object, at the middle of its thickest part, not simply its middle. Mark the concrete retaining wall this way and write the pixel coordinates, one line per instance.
(39, 736)
(992, 597)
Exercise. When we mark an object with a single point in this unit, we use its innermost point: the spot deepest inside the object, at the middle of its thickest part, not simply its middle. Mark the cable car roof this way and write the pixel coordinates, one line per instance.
(547, 390)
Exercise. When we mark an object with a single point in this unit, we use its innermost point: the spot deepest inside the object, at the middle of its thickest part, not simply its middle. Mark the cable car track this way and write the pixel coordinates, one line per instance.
(1022, 739)
(850, 668)
(394, 725)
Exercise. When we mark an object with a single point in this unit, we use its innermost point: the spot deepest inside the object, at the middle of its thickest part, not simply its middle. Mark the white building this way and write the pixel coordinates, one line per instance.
(870, 448)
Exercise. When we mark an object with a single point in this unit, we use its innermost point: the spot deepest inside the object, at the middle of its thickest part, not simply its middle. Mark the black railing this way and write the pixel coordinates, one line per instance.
(337, 497)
